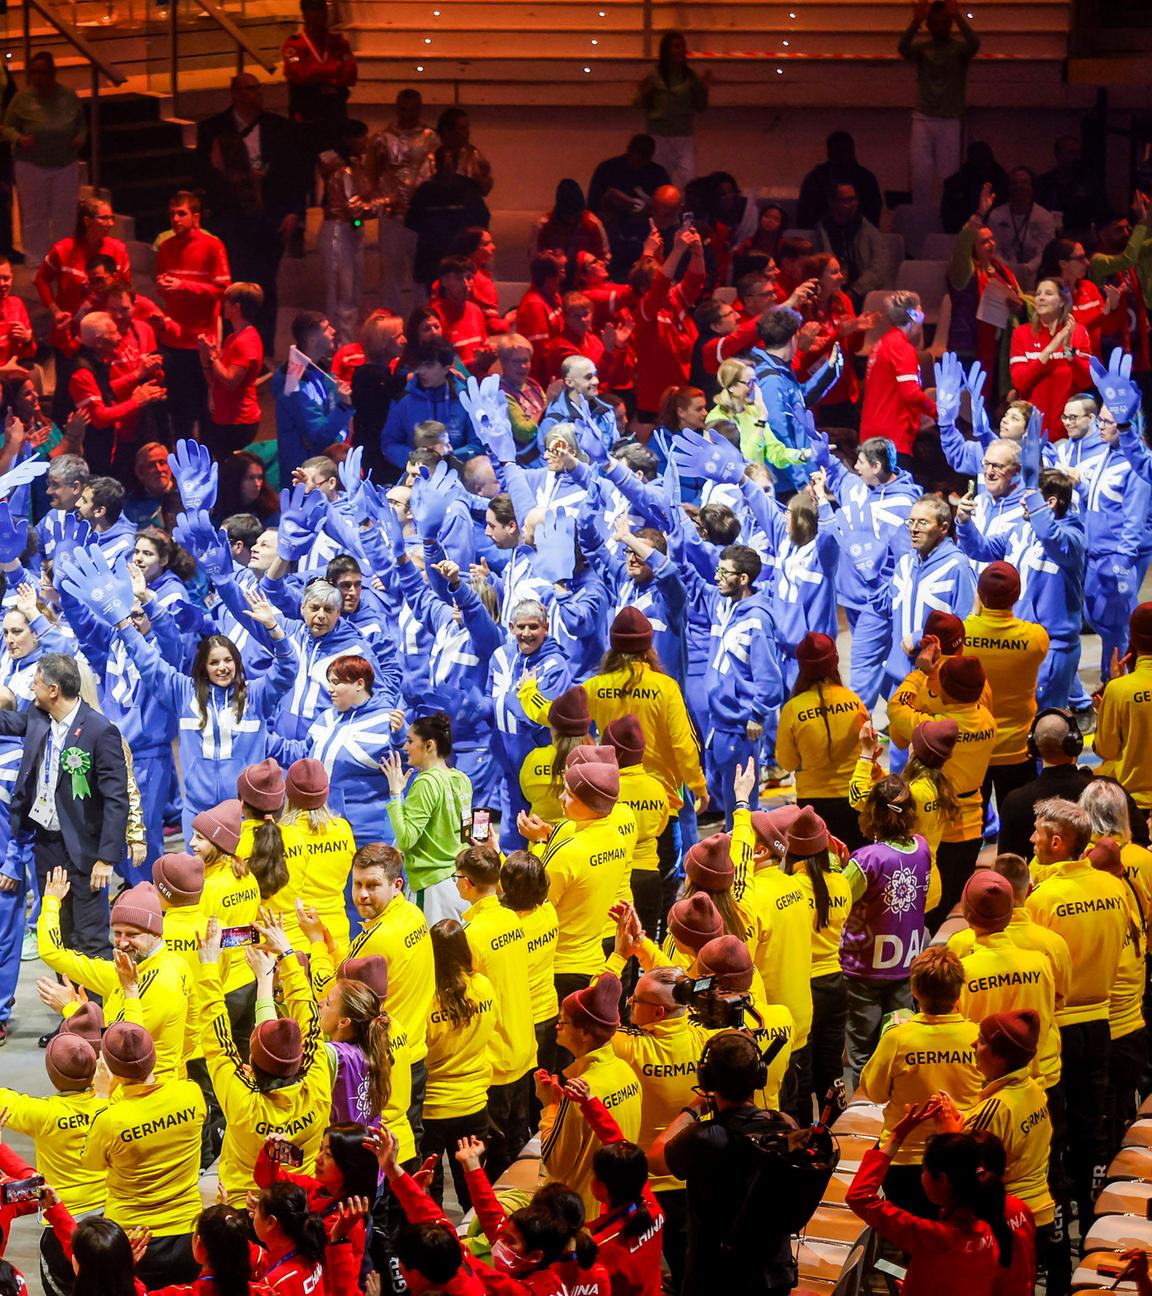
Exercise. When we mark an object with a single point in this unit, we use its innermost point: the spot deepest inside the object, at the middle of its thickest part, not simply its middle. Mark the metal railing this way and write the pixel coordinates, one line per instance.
(96, 66)
(212, 10)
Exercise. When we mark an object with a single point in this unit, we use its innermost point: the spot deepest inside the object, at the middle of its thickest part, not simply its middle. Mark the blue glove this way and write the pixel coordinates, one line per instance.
(1115, 385)
(349, 473)
(590, 529)
(820, 445)
(13, 534)
(21, 475)
(431, 495)
(716, 460)
(105, 591)
(67, 534)
(391, 526)
(974, 380)
(555, 548)
(209, 546)
(1030, 454)
(487, 407)
(196, 474)
(949, 386)
(300, 514)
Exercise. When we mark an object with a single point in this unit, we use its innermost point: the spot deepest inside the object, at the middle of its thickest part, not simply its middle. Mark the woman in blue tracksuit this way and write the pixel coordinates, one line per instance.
(154, 553)
(464, 636)
(28, 635)
(134, 705)
(222, 717)
(871, 527)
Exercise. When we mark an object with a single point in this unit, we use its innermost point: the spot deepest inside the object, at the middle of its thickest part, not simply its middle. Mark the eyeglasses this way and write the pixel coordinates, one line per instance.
(730, 572)
(920, 524)
(1106, 422)
(647, 1003)
(1074, 418)
(990, 467)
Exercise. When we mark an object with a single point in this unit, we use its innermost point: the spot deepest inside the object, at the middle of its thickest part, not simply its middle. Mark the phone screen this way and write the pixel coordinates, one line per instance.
(233, 937)
(16, 1191)
(481, 825)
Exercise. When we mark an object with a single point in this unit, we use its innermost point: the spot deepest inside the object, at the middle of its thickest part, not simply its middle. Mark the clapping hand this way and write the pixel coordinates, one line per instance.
(393, 769)
(929, 654)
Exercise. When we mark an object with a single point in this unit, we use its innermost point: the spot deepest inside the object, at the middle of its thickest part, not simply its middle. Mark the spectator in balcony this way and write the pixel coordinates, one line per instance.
(399, 159)
(455, 131)
(1073, 189)
(941, 61)
(251, 170)
(441, 209)
(820, 183)
(962, 189)
(620, 193)
(461, 319)
(46, 128)
(320, 69)
(856, 243)
(478, 245)
(1023, 228)
(231, 370)
(570, 227)
(672, 96)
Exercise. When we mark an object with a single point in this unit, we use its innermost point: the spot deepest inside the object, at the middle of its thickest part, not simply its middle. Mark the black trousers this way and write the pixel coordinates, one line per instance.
(674, 1235)
(416, 1106)
(441, 1134)
(187, 390)
(841, 819)
(1007, 778)
(796, 1091)
(224, 439)
(1053, 1245)
(956, 862)
(829, 1023)
(57, 1276)
(546, 1058)
(507, 1124)
(1085, 1058)
(1125, 1074)
(167, 1261)
(84, 915)
(903, 1187)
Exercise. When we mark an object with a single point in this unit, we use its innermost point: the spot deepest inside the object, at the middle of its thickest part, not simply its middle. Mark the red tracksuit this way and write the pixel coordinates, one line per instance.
(847, 386)
(1049, 384)
(539, 318)
(893, 398)
(612, 368)
(633, 1263)
(664, 337)
(464, 326)
(66, 265)
(1088, 309)
(947, 1259)
(198, 260)
(1019, 1279)
(13, 311)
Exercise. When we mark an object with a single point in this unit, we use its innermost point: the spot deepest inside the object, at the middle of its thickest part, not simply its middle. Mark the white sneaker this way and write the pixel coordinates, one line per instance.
(29, 951)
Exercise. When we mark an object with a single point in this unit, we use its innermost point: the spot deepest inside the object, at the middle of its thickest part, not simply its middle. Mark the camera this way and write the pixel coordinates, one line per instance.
(713, 1008)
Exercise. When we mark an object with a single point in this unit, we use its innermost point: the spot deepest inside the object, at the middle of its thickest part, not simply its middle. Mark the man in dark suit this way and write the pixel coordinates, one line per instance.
(71, 793)
(255, 173)
(1058, 742)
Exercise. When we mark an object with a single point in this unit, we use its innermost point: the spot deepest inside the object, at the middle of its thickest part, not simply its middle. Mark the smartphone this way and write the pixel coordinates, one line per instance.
(687, 220)
(281, 1152)
(481, 828)
(234, 937)
(971, 487)
(16, 1191)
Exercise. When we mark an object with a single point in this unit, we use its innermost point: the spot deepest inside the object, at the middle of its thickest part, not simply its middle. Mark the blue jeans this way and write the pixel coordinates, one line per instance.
(871, 640)
(727, 749)
(1058, 678)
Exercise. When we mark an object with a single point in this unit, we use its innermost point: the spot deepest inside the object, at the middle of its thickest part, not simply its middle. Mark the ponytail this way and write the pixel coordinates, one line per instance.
(964, 1160)
(815, 867)
(623, 1170)
(267, 862)
(372, 1034)
(287, 1204)
(223, 1232)
(212, 854)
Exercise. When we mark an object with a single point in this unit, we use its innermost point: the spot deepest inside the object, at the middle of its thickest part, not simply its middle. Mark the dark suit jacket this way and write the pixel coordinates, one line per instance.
(1018, 813)
(96, 826)
(285, 182)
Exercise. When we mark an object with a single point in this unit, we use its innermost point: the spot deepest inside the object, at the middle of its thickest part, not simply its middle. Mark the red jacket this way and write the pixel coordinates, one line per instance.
(66, 267)
(847, 386)
(464, 326)
(1019, 1279)
(121, 415)
(664, 337)
(633, 1263)
(1088, 309)
(613, 368)
(719, 349)
(13, 311)
(1048, 384)
(966, 1252)
(893, 398)
(200, 264)
(538, 318)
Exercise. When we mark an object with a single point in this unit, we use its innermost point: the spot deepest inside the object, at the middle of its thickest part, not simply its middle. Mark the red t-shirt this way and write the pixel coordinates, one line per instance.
(13, 311)
(238, 404)
(893, 398)
(464, 326)
(200, 264)
(66, 267)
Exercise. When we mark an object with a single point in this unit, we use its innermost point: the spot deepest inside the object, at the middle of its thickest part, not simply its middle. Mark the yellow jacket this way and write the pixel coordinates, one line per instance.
(929, 820)
(1126, 1002)
(541, 929)
(818, 737)
(1015, 1109)
(1090, 909)
(147, 1146)
(400, 936)
(783, 954)
(969, 763)
(319, 862)
(500, 951)
(589, 863)
(999, 976)
(567, 1144)
(1010, 650)
(664, 1057)
(647, 798)
(1123, 738)
(542, 795)
(1026, 934)
(182, 927)
(672, 746)
(165, 991)
(915, 1059)
(234, 902)
(58, 1125)
(459, 1055)
(297, 1112)
(826, 940)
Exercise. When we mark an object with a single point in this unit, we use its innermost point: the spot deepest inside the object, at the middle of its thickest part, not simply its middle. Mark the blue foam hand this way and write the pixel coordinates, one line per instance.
(430, 499)
(196, 474)
(820, 446)
(205, 542)
(555, 548)
(590, 529)
(22, 474)
(391, 526)
(949, 384)
(67, 533)
(349, 473)
(13, 534)
(300, 513)
(104, 590)
(1030, 454)
(487, 407)
(698, 455)
(1115, 385)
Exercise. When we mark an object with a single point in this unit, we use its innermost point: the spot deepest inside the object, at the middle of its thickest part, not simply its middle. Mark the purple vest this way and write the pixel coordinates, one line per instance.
(885, 930)
(350, 1086)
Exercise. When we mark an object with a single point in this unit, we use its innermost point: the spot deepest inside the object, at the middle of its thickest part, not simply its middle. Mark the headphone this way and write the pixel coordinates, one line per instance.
(1072, 744)
(707, 1069)
(890, 448)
